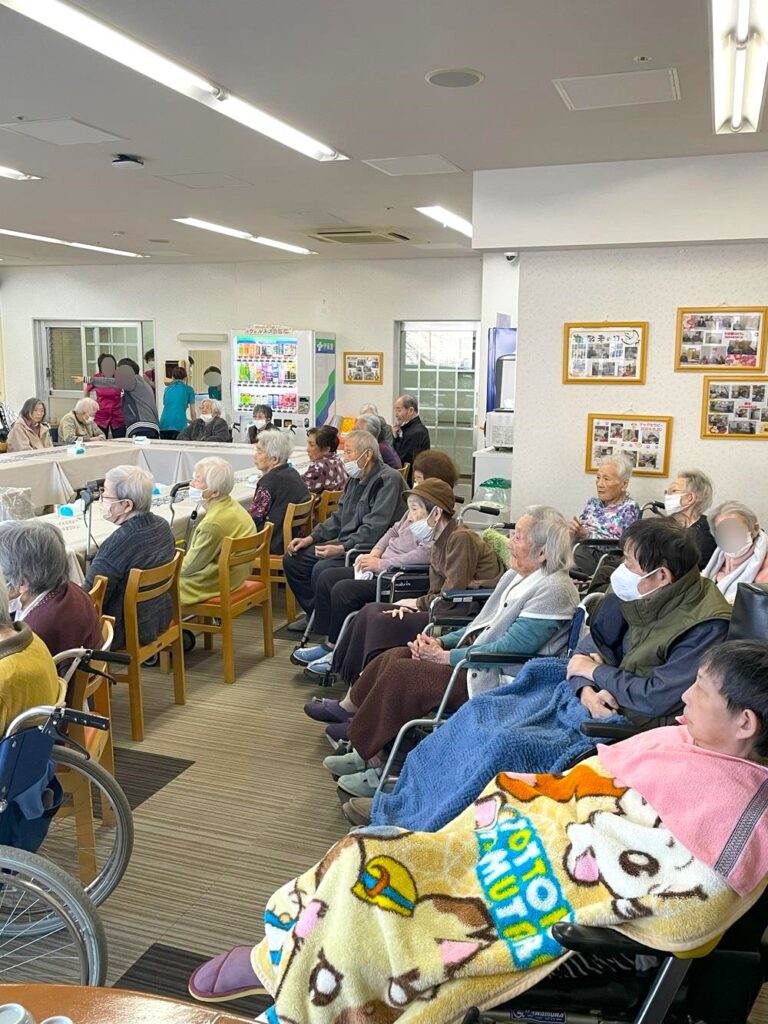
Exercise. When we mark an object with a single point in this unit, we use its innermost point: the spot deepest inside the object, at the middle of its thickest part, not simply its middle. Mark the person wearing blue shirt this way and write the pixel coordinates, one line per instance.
(177, 398)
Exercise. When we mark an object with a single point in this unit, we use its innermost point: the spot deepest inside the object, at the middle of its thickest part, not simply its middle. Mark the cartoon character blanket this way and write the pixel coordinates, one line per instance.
(411, 926)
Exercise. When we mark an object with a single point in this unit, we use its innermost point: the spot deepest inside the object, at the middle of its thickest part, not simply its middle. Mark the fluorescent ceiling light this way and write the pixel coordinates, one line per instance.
(72, 245)
(97, 35)
(246, 236)
(11, 172)
(739, 63)
(446, 218)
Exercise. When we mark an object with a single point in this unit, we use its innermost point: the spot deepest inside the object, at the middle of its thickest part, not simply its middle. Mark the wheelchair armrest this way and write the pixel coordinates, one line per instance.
(415, 567)
(584, 939)
(467, 595)
(609, 730)
(605, 543)
(352, 553)
(479, 658)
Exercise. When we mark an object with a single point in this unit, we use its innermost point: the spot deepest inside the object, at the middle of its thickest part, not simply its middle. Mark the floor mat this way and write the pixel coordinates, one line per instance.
(141, 775)
(165, 970)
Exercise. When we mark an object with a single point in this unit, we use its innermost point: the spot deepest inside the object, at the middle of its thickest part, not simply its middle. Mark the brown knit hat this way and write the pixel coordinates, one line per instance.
(437, 491)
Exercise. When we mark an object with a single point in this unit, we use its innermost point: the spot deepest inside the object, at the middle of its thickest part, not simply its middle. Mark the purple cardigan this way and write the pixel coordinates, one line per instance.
(398, 546)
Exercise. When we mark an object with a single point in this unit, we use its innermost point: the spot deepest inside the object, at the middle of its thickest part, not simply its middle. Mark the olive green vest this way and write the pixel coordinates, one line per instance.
(655, 622)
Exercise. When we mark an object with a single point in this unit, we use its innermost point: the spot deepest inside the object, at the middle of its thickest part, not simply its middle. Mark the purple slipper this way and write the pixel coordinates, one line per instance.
(321, 709)
(227, 976)
(337, 732)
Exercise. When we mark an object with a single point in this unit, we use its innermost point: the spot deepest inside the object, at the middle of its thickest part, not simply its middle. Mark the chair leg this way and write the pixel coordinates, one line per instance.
(228, 649)
(179, 678)
(136, 699)
(207, 640)
(80, 789)
(102, 706)
(290, 603)
(165, 663)
(266, 622)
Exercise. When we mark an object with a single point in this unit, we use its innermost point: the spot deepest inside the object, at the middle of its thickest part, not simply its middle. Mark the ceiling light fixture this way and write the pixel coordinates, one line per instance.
(73, 245)
(98, 36)
(739, 63)
(246, 236)
(446, 218)
(14, 175)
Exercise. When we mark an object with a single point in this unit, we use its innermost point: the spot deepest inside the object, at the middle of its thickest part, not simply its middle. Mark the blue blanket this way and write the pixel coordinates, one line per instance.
(531, 725)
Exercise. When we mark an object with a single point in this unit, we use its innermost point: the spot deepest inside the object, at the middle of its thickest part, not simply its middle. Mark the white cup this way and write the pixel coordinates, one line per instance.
(58, 1020)
(15, 1013)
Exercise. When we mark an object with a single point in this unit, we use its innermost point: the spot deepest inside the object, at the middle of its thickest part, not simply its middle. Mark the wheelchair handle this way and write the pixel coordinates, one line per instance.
(84, 655)
(85, 718)
(180, 486)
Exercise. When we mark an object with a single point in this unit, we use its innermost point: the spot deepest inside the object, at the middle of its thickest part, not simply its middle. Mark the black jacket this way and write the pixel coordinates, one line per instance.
(412, 438)
(199, 430)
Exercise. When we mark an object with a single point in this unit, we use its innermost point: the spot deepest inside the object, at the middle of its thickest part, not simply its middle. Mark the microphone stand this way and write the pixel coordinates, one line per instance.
(180, 486)
(89, 495)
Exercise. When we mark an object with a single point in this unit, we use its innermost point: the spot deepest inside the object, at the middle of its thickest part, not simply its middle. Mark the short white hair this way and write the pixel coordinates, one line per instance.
(87, 407)
(369, 407)
(217, 473)
(276, 445)
(134, 484)
(699, 485)
(623, 465)
(363, 441)
(550, 531)
(213, 404)
(734, 508)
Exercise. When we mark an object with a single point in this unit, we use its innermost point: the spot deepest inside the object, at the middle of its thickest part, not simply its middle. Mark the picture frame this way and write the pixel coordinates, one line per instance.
(735, 408)
(611, 352)
(721, 339)
(645, 440)
(363, 367)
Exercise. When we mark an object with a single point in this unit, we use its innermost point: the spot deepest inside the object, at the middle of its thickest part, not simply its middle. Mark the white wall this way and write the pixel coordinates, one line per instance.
(626, 284)
(360, 301)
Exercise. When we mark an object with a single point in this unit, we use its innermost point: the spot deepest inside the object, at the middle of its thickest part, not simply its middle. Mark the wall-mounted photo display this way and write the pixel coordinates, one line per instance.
(605, 353)
(645, 440)
(735, 408)
(714, 338)
(363, 367)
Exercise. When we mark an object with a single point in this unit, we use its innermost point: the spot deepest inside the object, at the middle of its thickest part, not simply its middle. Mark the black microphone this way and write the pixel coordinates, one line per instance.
(90, 492)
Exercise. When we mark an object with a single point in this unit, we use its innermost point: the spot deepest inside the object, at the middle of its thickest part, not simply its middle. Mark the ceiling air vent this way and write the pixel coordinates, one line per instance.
(360, 236)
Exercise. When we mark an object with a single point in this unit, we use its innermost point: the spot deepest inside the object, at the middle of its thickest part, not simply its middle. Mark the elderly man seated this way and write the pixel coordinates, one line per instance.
(372, 502)
(212, 483)
(210, 425)
(143, 541)
(372, 424)
(79, 424)
(33, 560)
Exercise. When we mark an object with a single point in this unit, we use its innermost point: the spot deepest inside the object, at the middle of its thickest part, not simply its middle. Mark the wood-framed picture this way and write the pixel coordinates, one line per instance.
(363, 367)
(605, 353)
(728, 339)
(735, 408)
(645, 440)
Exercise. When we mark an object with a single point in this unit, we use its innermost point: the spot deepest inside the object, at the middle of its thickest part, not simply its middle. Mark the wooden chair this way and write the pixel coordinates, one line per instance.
(89, 691)
(229, 604)
(298, 517)
(98, 592)
(145, 585)
(327, 505)
(404, 471)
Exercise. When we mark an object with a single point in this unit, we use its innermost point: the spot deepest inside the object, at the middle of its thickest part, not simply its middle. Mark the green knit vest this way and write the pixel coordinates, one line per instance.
(656, 621)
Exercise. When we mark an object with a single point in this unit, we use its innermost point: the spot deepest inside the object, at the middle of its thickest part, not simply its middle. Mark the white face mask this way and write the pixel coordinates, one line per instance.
(422, 530)
(352, 469)
(206, 417)
(625, 583)
(196, 493)
(730, 545)
(107, 507)
(259, 424)
(673, 503)
(151, 364)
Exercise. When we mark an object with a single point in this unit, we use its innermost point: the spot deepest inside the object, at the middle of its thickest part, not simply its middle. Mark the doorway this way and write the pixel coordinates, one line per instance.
(437, 365)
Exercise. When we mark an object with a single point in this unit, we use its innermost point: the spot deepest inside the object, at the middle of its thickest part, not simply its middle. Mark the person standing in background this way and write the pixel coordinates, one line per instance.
(177, 398)
(109, 418)
(411, 436)
(149, 367)
(138, 402)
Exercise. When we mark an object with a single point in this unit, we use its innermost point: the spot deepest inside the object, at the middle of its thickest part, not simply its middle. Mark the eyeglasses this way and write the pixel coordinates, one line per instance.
(668, 490)
(109, 497)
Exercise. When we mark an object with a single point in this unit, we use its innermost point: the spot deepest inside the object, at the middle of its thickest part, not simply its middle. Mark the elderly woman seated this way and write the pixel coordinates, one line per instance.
(686, 500)
(279, 486)
(29, 432)
(531, 607)
(210, 425)
(372, 423)
(326, 470)
(741, 555)
(608, 515)
(212, 483)
(638, 838)
(27, 672)
(33, 560)
(80, 424)
(143, 541)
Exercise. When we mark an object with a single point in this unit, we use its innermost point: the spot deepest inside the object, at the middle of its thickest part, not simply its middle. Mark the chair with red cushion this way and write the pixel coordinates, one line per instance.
(217, 614)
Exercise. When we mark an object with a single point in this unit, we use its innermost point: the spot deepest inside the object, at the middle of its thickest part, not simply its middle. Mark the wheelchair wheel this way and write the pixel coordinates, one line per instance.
(188, 639)
(49, 930)
(91, 835)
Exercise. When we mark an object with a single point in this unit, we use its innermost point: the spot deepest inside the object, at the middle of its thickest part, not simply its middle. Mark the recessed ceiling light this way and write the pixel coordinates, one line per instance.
(73, 245)
(101, 37)
(446, 218)
(14, 175)
(455, 78)
(246, 236)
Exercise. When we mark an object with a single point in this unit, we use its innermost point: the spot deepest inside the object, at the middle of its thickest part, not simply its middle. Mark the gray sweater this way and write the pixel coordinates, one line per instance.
(368, 507)
(138, 404)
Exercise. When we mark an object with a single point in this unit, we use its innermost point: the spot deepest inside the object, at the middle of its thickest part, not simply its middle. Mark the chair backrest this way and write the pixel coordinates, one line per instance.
(83, 683)
(404, 471)
(749, 620)
(244, 551)
(329, 502)
(148, 584)
(98, 592)
(298, 515)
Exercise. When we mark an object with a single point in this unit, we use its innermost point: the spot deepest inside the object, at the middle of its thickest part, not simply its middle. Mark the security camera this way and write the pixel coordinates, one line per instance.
(511, 257)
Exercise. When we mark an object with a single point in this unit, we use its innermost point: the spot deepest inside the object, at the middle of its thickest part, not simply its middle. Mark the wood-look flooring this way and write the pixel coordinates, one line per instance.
(254, 809)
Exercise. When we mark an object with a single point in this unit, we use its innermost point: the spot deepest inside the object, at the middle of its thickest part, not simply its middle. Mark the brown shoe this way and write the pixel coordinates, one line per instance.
(357, 810)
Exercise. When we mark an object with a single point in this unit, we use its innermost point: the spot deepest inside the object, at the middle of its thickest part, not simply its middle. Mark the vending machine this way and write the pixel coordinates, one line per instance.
(294, 372)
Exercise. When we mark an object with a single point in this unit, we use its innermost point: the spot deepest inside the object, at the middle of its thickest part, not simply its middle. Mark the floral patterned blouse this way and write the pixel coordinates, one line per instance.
(609, 521)
(325, 474)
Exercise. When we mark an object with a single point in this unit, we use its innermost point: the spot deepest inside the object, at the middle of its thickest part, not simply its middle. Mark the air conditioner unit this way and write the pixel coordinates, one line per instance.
(360, 236)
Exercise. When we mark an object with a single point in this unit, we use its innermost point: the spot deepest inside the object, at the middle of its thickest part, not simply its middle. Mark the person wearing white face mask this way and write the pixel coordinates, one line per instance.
(79, 424)
(686, 500)
(212, 481)
(741, 555)
(371, 503)
(210, 425)
(262, 420)
(656, 621)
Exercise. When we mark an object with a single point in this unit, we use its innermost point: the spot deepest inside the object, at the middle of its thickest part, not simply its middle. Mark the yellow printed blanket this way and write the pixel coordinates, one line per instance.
(409, 926)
